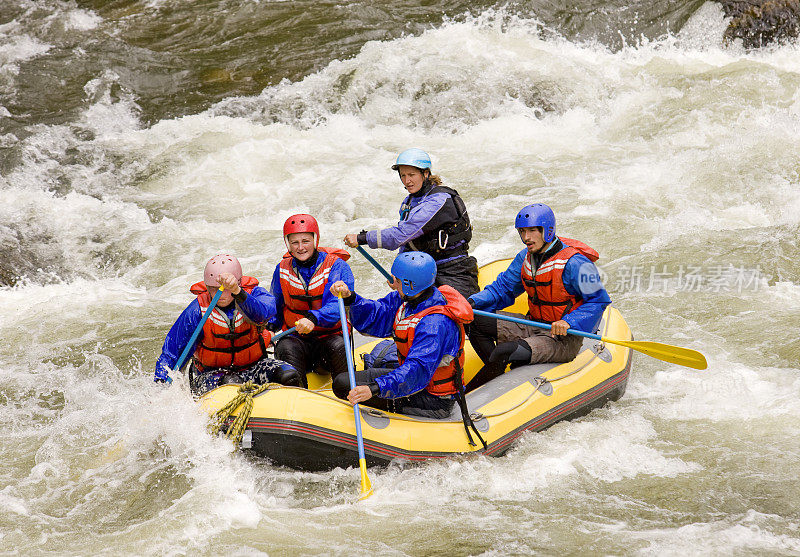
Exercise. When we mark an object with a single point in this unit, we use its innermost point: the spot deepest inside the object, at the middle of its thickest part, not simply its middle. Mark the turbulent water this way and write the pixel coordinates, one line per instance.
(140, 137)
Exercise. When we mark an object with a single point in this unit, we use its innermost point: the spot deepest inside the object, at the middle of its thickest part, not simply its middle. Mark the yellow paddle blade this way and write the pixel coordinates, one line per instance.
(366, 486)
(666, 352)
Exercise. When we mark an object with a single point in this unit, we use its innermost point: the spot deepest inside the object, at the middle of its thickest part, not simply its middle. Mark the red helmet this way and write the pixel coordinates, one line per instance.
(221, 263)
(301, 223)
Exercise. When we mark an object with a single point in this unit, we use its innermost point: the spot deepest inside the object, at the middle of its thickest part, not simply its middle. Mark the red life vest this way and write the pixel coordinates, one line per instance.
(449, 376)
(234, 345)
(299, 298)
(548, 300)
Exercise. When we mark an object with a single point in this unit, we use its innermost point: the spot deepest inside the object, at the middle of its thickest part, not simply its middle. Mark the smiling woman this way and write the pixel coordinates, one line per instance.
(300, 284)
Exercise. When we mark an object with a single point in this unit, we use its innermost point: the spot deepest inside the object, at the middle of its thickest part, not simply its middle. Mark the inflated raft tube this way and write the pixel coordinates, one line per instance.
(313, 430)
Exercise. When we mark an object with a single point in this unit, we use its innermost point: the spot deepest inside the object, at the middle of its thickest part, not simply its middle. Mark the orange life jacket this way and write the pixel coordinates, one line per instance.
(449, 376)
(548, 300)
(299, 298)
(235, 345)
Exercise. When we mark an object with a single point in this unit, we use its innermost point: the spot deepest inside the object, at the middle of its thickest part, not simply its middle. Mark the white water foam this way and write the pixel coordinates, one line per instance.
(643, 150)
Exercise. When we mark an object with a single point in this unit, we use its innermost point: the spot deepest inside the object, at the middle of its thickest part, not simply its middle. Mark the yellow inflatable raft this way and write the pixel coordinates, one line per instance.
(313, 430)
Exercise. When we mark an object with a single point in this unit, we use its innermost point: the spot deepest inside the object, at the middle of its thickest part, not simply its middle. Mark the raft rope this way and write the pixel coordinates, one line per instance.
(244, 398)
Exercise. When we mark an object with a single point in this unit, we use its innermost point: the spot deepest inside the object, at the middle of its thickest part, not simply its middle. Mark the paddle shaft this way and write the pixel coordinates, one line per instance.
(352, 375)
(666, 352)
(533, 323)
(366, 489)
(282, 334)
(479, 312)
(375, 264)
(196, 332)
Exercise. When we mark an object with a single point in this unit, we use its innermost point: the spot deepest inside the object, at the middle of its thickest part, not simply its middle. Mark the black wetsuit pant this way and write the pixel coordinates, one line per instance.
(306, 353)
(265, 370)
(461, 274)
(421, 403)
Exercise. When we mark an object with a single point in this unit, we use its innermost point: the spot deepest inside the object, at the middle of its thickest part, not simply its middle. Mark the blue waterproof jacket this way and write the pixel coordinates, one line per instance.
(259, 307)
(508, 285)
(328, 314)
(434, 336)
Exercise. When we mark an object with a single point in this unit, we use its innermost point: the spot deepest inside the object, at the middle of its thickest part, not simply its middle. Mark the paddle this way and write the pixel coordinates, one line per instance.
(282, 334)
(196, 332)
(375, 264)
(666, 352)
(366, 487)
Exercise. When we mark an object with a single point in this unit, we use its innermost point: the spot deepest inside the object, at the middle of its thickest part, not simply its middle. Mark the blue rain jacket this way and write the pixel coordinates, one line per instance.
(508, 285)
(421, 209)
(259, 307)
(434, 336)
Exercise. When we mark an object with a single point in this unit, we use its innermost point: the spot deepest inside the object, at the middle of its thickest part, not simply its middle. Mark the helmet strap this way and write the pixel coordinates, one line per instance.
(421, 297)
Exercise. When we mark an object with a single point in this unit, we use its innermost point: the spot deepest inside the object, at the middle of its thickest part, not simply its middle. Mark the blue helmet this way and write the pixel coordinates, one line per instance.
(416, 271)
(538, 214)
(413, 157)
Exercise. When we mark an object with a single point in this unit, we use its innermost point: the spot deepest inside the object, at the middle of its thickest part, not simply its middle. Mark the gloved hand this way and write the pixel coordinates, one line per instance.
(162, 375)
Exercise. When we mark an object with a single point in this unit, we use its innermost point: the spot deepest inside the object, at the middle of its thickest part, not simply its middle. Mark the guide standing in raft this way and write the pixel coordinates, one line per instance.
(433, 219)
(300, 285)
(232, 347)
(564, 289)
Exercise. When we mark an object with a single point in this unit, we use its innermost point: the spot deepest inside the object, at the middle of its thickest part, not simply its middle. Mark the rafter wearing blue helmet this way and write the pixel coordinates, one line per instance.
(564, 289)
(433, 219)
(427, 324)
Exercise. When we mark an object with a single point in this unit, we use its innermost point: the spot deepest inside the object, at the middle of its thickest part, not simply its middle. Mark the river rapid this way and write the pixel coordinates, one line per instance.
(139, 138)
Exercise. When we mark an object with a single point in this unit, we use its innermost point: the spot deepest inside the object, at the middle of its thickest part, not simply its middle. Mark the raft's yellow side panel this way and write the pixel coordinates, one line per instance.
(506, 414)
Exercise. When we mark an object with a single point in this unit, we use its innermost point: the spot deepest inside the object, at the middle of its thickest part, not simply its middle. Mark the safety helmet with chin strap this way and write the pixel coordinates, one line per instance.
(416, 271)
(538, 214)
(301, 223)
(221, 263)
(413, 157)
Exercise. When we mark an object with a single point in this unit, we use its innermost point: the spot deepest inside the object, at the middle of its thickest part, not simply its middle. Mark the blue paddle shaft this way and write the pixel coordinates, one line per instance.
(375, 264)
(533, 323)
(282, 334)
(486, 313)
(196, 332)
(352, 375)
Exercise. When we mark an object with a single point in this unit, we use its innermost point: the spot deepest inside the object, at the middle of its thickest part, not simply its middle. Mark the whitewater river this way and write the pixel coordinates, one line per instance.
(138, 138)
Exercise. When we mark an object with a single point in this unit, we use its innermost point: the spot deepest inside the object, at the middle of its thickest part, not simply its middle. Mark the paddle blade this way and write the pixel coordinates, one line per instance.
(366, 486)
(666, 352)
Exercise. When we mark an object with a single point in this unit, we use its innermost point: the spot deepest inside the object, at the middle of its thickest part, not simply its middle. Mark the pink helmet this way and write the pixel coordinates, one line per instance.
(221, 263)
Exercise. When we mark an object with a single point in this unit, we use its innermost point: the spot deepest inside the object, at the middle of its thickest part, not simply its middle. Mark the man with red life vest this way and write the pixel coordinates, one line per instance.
(427, 323)
(564, 289)
(232, 347)
(300, 286)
